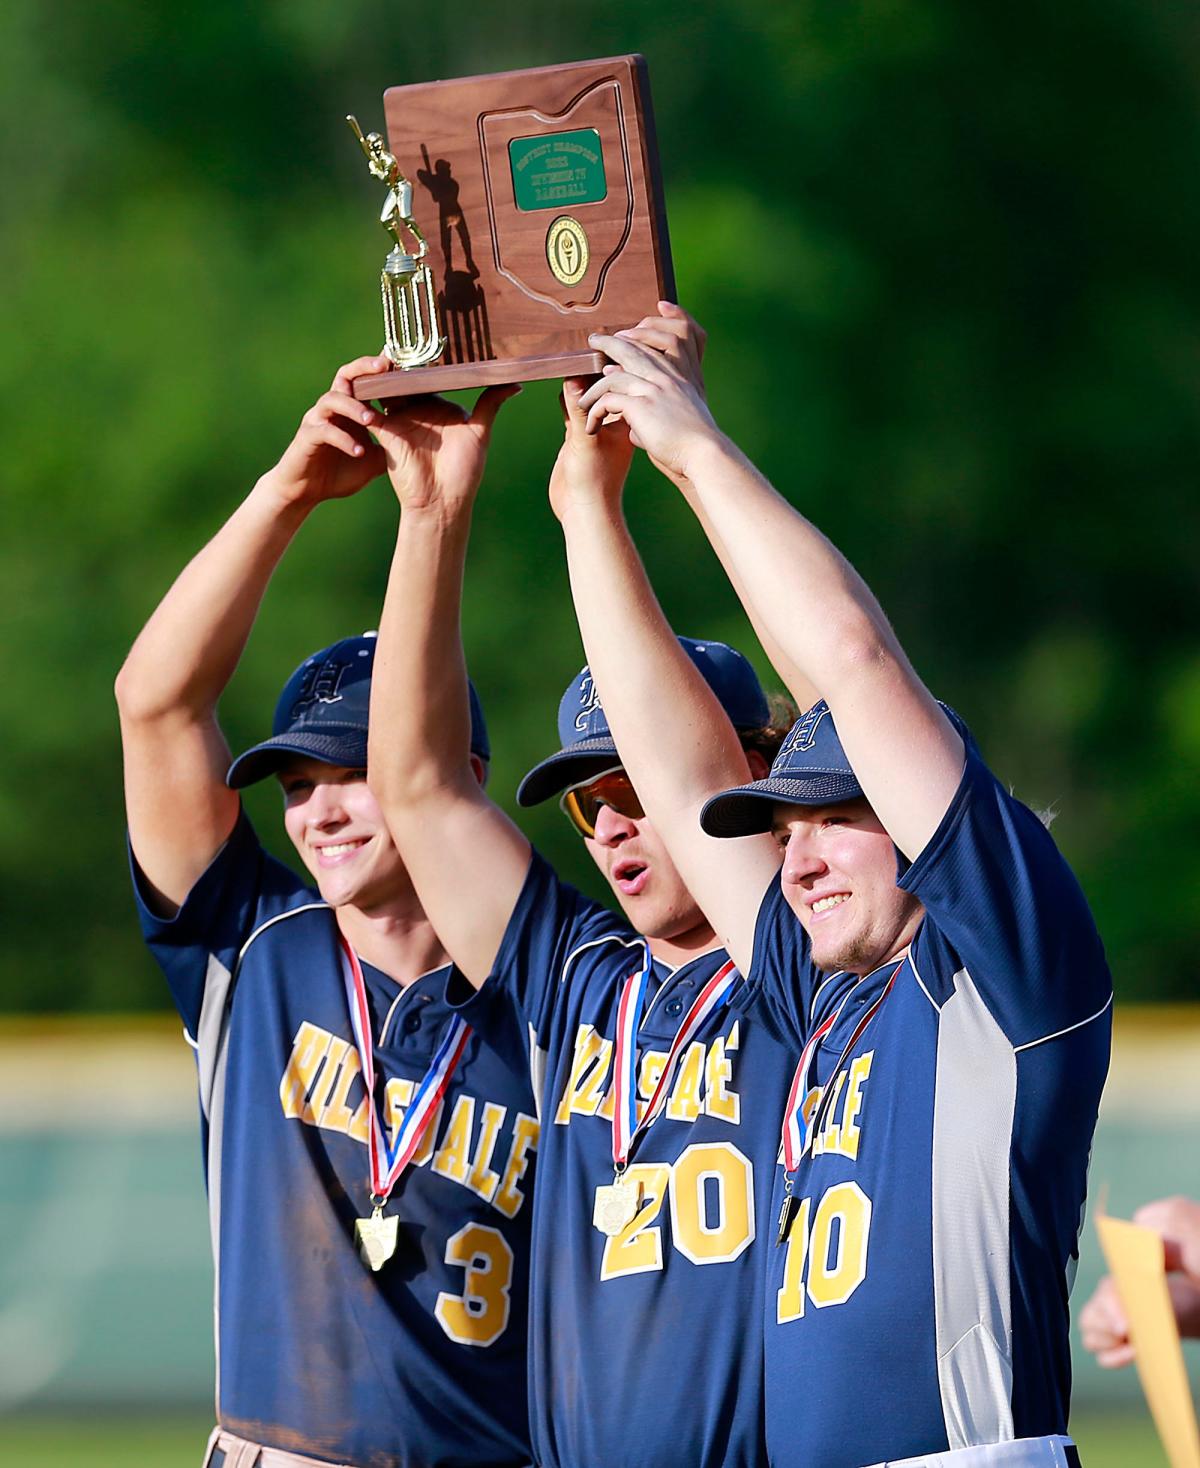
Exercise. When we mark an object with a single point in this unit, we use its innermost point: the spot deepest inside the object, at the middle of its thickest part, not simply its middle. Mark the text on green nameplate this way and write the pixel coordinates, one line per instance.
(553, 169)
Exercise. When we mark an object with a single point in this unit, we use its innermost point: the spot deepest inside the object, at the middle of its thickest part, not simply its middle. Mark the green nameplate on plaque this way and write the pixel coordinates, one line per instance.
(564, 168)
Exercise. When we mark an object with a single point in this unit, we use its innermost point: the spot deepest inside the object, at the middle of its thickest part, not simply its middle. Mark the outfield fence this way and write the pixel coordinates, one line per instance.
(106, 1273)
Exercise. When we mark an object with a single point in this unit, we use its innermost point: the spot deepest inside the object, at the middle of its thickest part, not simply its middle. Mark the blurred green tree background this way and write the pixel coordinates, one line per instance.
(947, 258)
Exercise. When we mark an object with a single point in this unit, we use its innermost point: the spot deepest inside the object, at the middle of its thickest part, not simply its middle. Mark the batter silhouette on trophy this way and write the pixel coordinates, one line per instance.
(461, 299)
(442, 184)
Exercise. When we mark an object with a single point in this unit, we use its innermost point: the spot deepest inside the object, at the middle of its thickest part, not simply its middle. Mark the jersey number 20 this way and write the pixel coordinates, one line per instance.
(710, 1187)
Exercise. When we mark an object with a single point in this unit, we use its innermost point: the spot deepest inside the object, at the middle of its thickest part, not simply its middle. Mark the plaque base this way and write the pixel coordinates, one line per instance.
(455, 375)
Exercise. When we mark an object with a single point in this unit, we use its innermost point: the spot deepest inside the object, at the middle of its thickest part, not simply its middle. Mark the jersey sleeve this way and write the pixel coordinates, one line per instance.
(1002, 903)
(550, 922)
(782, 980)
(216, 918)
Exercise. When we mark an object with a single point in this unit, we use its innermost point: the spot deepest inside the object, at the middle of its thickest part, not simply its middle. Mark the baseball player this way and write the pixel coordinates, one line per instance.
(659, 1102)
(925, 947)
(368, 1162)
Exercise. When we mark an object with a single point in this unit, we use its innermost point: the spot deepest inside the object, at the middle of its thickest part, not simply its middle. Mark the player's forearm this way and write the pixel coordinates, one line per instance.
(907, 756)
(674, 738)
(418, 755)
(188, 650)
(795, 679)
(818, 620)
(420, 724)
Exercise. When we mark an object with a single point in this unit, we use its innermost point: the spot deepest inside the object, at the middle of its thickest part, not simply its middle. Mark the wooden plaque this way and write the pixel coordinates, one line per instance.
(540, 195)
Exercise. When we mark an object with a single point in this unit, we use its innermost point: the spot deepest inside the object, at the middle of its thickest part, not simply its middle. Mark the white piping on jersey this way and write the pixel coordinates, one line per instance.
(387, 1019)
(828, 979)
(316, 907)
(538, 1059)
(270, 923)
(1029, 1044)
(594, 943)
(212, 1053)
(193, 1043)
(632, 943)
(672, 975)
(916, 974)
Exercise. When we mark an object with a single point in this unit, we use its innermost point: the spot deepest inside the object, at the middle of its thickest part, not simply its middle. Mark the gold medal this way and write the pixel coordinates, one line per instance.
(376, 1238)
(616, 1205)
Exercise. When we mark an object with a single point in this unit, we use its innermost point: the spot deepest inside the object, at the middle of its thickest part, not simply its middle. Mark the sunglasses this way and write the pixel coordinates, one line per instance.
(581, 803)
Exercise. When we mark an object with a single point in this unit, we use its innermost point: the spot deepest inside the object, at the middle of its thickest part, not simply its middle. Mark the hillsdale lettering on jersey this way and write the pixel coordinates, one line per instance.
(323, 1079)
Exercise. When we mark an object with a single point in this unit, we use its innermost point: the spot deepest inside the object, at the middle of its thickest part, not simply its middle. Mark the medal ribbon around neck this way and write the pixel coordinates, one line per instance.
(797, 1133)
(387, 1163)
(625, 1125)
(794, 1126)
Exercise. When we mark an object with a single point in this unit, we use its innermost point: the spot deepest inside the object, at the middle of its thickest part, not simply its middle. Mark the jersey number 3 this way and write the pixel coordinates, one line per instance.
(478, 1316)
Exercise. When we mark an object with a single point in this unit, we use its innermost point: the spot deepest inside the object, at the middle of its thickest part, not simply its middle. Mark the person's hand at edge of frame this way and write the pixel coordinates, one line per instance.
(1176, 1220)
(1104, 1325)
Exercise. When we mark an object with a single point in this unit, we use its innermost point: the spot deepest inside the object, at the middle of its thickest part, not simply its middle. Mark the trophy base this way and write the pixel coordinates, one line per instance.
(457, 375)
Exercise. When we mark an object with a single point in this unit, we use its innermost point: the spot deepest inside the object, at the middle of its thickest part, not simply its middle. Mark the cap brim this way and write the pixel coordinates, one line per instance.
(566, 768)
(347, 748)
(747, 810)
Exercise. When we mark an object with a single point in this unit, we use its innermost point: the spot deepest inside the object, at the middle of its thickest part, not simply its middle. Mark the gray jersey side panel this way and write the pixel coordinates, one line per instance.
(974, 1105)
(212, 1049)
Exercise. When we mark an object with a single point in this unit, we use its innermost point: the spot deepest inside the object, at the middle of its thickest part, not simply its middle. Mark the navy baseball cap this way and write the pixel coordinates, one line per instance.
(811, 768)
(322, 714)
(587, 745)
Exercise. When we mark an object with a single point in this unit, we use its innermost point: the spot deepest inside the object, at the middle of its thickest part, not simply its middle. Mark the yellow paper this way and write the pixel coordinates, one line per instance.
(1135, 1260)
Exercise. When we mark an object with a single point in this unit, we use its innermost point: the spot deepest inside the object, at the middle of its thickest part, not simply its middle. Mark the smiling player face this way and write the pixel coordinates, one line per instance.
(338, 829)
(839, 878)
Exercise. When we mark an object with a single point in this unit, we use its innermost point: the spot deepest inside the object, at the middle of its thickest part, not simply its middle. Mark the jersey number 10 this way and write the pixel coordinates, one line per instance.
(834, 1267)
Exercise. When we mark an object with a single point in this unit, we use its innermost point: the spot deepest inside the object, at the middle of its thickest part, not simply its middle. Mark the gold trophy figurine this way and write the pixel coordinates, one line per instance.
(413, 336)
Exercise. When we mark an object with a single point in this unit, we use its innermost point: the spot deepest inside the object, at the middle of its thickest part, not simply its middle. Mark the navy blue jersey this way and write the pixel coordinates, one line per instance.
(645, 1348)
(920, 1302)
(425, 1361)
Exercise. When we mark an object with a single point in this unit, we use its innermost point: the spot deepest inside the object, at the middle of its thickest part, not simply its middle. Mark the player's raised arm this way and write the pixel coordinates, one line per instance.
(179, 808)
(466, 859)
(677, 743)
(805, 595)
(681, 340)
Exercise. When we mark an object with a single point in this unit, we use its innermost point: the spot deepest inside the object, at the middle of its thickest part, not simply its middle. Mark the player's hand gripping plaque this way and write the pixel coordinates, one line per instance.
(536, 219)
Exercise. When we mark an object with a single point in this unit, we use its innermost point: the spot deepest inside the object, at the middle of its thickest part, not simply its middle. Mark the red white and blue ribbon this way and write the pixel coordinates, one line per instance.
(389, 1161)
(794, 1123)
(626, 1127)
(801, 1122)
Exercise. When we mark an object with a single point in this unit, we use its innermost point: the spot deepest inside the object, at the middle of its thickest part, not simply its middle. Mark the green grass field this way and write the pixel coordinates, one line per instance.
(1105, 1441)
